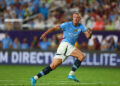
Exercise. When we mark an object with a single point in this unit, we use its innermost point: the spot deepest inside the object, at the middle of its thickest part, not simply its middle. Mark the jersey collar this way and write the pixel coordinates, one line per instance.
(77, 25)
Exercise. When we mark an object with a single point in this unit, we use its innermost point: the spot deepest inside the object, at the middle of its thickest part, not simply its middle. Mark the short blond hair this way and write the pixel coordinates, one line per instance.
(76, 12)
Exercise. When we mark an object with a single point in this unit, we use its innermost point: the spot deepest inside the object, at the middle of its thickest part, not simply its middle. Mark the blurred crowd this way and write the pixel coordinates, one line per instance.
(8, 43)
(43, 14)
(98, 15)
(52, 44)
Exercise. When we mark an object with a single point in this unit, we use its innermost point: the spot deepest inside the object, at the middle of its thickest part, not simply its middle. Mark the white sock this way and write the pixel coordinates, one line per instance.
(36, 77)
(71, 73)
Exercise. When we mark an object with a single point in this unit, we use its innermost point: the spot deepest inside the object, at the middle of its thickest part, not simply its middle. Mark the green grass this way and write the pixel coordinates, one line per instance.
(88, 76)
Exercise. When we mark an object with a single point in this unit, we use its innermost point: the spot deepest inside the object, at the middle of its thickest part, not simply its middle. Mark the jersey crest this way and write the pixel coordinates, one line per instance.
(75, 30)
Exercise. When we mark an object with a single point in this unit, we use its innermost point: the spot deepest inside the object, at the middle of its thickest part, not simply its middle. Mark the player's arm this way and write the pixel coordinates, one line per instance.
(88, 33)
(49, 31)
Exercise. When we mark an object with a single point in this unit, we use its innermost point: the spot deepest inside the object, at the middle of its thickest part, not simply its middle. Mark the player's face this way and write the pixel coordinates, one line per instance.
(76, 18)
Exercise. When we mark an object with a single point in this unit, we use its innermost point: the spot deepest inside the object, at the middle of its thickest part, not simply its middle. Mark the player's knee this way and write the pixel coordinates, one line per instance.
(53, 67)
(83, 57)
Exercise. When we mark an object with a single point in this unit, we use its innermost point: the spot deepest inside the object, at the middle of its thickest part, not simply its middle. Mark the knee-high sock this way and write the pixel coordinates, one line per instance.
(43, 72)
(75, 66)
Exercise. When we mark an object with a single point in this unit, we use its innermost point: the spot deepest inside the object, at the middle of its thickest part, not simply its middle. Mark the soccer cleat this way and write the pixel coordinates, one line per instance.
(33, 81)
(72, 77)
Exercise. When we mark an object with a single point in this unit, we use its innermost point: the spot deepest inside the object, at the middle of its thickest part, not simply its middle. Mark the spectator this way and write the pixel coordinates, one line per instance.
(118, 45)
(46, 2)
(9, 26)
(84, 46)
(24, 45)
(99, 24)
(91, 23)
(34, 42)
(6, 13)
(50, 21)
(106, 10)
(2, 23)
(44, 10)
(44, 45)
(112, 44)
(117, 23)
(9, 2)
(104, 45)
(27, 13)
(21, 12)
(54, 41)
(96, 44)
(6, 42)
(16, 44)
(31, 24)
(39, 22)
(20, 16)
(74, 8)
(31, 7)
(110, 26)
(112, 16)
(2, 5)
(59, 3)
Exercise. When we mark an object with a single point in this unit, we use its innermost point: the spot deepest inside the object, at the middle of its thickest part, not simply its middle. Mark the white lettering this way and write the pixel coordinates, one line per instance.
(95, 60)
(14, 57)
(47, 57)
(26, 57)
(101, 59)
(33, 57)
(20, 57)
(39, 56)
(3, 57)
(112, 59)
(106, 58)
(88, 60)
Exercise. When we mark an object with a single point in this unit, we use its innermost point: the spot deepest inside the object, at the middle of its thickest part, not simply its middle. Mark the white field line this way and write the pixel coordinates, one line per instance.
(29, 81)
(57, 83)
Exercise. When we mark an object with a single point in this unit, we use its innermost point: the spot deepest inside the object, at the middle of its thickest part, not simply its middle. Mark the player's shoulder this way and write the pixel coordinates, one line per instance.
(67, 23)
(82, 25)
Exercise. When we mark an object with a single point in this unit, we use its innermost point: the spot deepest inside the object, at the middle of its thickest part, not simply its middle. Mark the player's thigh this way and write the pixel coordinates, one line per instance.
(56, 62)
(78, 54)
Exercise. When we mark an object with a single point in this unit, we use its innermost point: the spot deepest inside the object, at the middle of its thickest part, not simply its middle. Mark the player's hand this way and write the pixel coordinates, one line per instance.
(89, 31)
(43, 36)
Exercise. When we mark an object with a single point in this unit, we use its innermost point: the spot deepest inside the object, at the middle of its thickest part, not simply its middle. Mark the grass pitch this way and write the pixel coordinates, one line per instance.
(88, 76)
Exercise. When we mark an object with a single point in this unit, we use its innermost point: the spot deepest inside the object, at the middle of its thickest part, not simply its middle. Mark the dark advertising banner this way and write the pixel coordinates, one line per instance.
(111, 59)
(101, 35)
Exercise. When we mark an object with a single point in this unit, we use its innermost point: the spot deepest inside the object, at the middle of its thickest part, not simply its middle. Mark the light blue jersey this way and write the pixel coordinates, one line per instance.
(71, 32)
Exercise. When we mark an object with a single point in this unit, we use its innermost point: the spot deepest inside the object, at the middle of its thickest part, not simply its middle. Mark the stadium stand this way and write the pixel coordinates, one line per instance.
(98, 15)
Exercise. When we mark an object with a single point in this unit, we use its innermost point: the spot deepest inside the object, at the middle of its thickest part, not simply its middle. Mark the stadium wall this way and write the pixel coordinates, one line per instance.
(36, 57)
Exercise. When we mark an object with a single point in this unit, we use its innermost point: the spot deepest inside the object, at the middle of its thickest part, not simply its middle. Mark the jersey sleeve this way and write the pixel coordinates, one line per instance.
(84, 28)
(62, 26)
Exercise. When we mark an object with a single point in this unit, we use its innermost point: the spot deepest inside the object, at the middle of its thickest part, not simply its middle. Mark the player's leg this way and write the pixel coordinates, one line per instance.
(80, 57)
(55, 63)
(59, 58)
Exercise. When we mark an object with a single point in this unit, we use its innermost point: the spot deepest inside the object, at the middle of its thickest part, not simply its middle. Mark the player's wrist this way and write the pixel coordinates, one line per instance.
(89, 31)
(45, 33)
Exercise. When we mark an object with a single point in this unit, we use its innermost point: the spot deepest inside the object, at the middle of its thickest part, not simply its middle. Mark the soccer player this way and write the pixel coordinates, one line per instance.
(71, 32)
